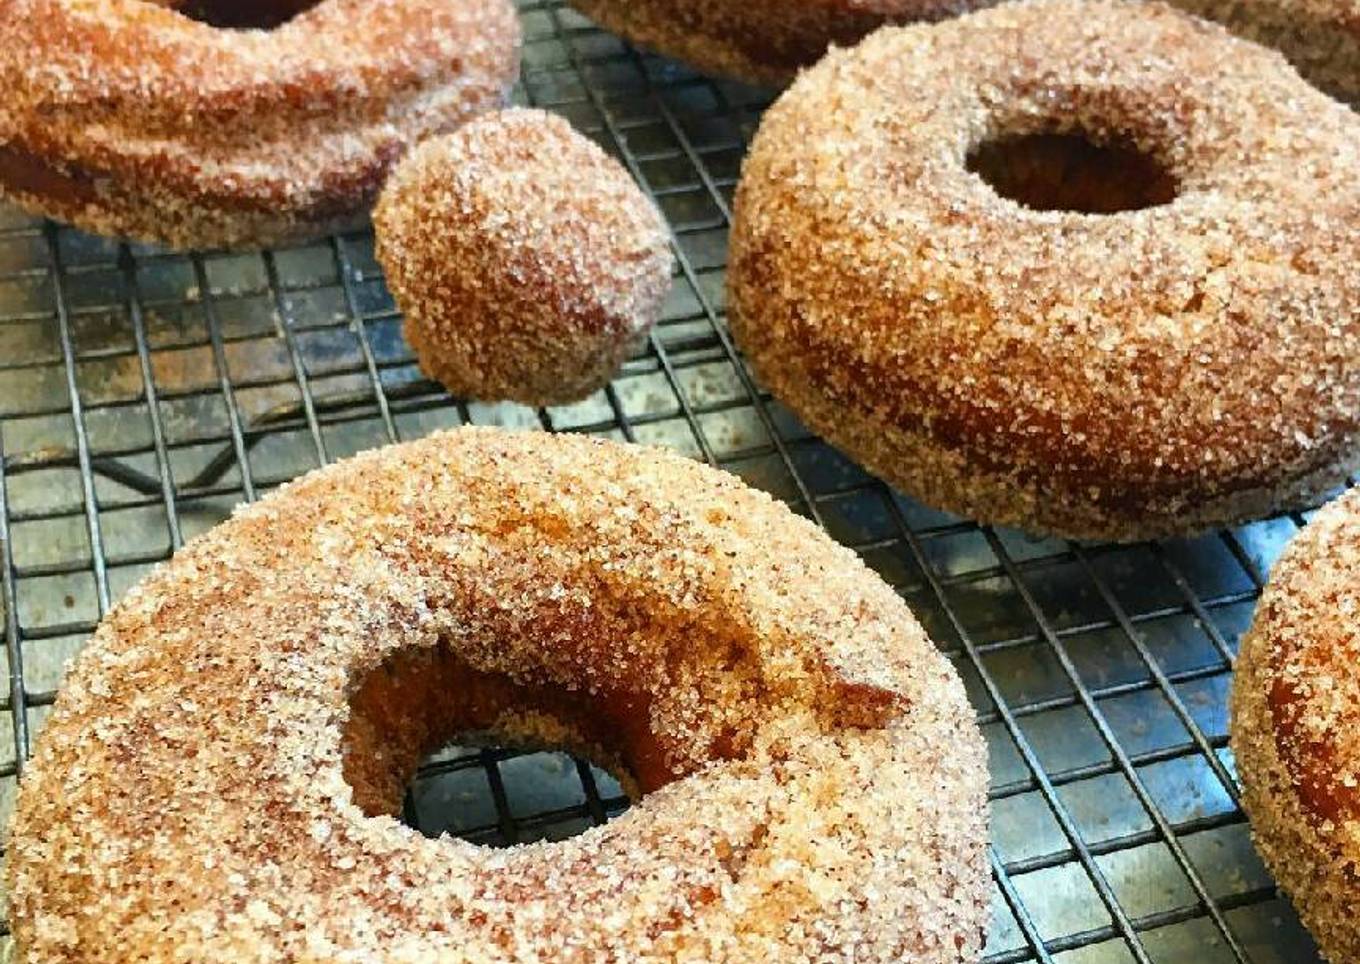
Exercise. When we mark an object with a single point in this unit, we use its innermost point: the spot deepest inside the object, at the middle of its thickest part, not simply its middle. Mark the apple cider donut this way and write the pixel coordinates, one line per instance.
(218, 776)
(768, 41)
(1321, 38)
(1084, 268)
(762, 41)
(131, 117)
(1296, 726)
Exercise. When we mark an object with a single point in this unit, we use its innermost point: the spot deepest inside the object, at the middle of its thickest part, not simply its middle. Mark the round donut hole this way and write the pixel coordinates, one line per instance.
(1071, 172)
(244, 14)
(497, 795)
(448, 749)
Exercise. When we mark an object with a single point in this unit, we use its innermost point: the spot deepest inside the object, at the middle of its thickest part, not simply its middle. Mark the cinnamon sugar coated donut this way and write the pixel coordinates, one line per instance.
(1147, 323)
(762, 41)
(130, 117)
(525, 261)
(219, 773)
(1321, 38)
(1296, 726)
(767, 41)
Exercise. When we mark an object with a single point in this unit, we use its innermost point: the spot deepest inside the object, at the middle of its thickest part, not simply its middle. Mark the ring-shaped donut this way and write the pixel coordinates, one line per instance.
(1295, 716)
(216, 778)
(129, 117)
(1190, 359)
(762, 41)
(768, 41)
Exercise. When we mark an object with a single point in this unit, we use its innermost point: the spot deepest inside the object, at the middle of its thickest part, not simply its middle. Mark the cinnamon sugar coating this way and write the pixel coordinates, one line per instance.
(1118, 376)
(1296, 726)
(527, 263)
(128, 117)
(1321, 38)
(761, 41)
(208, 786)
(768, 41)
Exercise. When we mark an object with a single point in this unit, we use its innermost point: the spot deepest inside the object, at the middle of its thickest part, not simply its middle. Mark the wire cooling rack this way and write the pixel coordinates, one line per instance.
(143, 394)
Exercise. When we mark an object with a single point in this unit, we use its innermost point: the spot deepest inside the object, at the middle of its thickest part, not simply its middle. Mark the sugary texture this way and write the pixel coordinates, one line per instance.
(768, 41)
(761, 41)
(1117, 376)
(1296, 726)
(818, 782)
(526, 262)
(1321, 38)
(129, 118)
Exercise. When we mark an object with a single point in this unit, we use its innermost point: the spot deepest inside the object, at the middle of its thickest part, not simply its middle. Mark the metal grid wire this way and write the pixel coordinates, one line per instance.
(143, 394)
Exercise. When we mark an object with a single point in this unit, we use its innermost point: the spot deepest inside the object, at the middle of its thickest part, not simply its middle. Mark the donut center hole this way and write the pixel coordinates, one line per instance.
(244, 14)
(1070, 172)
(447, 748)
(498, 793)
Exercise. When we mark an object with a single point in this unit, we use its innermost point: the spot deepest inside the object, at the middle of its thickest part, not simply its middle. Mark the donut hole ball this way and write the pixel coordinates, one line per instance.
(526, 262)
(1055, 171)
(242, 14)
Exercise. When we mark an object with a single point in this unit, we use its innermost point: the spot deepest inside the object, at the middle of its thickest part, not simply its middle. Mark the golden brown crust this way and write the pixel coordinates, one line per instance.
(823, 791)
(761, 41)
(1117, 376)
(1295, 726)
(1321, 38)
(526, 262)
(768, 41)
(125, 117)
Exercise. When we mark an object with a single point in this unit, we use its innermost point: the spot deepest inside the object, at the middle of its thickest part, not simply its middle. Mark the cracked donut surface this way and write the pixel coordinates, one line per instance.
(217, 777)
